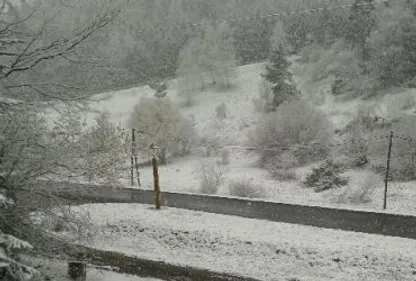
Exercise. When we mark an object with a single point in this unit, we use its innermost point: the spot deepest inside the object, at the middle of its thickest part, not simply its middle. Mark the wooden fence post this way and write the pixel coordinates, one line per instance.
(77, 270)
(386, 180)
(156, 183)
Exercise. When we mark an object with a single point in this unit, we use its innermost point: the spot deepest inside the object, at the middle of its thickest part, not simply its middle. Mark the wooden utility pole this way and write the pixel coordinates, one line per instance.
(134, 157)
(156, 183)
(386, 180)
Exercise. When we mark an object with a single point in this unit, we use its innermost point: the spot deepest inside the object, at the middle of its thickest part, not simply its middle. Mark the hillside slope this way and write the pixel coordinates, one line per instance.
(182, 173)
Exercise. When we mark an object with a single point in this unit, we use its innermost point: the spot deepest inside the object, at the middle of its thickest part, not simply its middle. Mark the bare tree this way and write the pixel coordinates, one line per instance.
(23, 49)
(29, 149)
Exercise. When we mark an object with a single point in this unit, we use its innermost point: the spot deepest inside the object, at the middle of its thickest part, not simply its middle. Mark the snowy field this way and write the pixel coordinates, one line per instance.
(182, 173)
(253, 248)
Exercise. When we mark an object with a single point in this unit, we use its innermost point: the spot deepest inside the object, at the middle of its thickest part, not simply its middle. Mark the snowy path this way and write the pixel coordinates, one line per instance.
(254, 248)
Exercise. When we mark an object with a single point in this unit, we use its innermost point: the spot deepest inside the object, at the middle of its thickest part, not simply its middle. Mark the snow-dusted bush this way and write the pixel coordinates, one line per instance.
(296, 126)
(403, 164)
(188, 137)
(265, 96)
(73, 226)
(245, 188)
(11, 264)
(157, 122)
(221, 111)
(224, 155)
(208, 60)
(211, 176)
(14, 270)
(342, 64)
(360, 188)
(326, 176)
(210, 146)
(108, 149)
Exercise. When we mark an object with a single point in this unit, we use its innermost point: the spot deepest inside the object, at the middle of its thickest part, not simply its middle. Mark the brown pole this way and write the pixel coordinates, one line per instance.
(386, 180)
(134, 158)
(131, 158)
(156, 183)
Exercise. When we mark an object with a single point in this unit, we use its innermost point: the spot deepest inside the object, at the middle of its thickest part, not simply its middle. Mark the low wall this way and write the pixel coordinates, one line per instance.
(350, 220)
(155, 269)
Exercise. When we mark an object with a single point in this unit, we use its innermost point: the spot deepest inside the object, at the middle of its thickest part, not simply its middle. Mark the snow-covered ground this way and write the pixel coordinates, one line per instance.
(58, 270)
(182, 173)
(254, 248)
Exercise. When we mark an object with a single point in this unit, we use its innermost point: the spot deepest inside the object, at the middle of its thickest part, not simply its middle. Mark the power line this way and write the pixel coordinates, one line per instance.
(250, 18)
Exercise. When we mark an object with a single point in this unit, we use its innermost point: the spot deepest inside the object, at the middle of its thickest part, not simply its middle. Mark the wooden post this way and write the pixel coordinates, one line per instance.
(156, 183)
(131, 158)
(77, 270)
(386, 180)
(134, 159)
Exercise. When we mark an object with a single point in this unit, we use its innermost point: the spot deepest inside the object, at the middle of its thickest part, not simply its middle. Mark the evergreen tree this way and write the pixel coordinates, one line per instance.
(360, 24)
(279, 76)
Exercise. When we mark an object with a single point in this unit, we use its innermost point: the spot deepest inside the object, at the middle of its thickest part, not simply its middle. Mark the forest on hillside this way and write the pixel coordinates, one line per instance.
(145, 41)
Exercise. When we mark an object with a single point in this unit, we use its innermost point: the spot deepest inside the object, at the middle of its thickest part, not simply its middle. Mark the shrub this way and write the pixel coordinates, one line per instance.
(159, 120)
(297, 126)
(283, 174)
(221, 111)
(11, 265)
(224, 155)
(210, 146)
(211, 175)
(245, 188)
(342, 64)
(360, 188)
(403, 165)
(107, 151)
(326, 176)
(187, 138)
(265, 97)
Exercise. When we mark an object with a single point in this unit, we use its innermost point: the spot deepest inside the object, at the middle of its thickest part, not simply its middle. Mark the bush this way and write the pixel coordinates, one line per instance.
(264, 101)
(211, 175)
(326, 176)
(297, 126)
(210, 146)
(403, 164)
(360, 188)
(244, 188)
(342, 64)
(224, 155)
(159, 120)
(107, 148)
(221, 111)
(187, 138)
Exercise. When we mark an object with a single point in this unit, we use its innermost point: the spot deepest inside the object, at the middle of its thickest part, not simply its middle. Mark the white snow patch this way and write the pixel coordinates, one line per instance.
(261, 249)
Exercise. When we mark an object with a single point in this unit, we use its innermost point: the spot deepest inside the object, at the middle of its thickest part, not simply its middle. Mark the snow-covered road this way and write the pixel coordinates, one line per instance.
(254, 248)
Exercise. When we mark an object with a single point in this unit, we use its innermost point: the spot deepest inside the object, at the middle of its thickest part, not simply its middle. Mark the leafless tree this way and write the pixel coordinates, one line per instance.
(29, 149)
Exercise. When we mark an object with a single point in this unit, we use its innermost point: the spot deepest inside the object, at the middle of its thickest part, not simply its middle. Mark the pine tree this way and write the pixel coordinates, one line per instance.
(361, 22)
(279, 76)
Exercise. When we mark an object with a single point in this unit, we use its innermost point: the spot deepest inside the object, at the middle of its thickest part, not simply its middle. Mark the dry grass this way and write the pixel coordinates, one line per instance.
(245, 188)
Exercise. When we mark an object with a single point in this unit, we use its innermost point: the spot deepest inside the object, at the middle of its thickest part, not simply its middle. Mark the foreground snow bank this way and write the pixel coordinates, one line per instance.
(255, 248)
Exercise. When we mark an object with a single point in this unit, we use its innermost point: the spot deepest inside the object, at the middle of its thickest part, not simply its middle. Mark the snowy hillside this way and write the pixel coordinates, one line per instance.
(182, 173)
